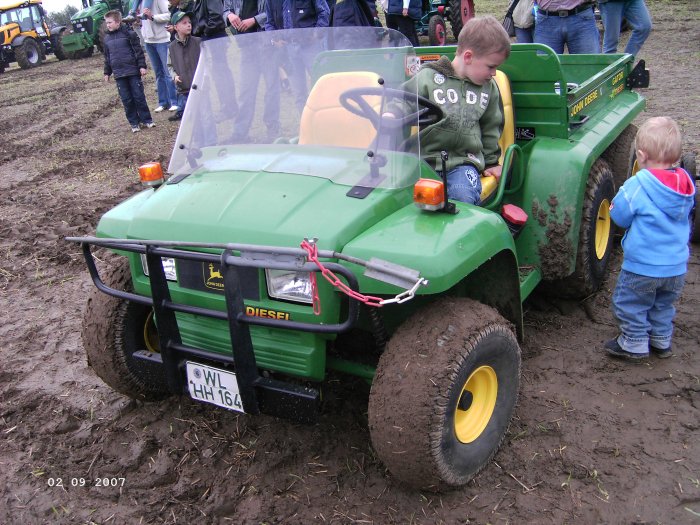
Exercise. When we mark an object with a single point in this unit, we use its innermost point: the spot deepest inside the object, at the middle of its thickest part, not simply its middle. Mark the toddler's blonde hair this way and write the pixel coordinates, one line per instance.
(660, 138)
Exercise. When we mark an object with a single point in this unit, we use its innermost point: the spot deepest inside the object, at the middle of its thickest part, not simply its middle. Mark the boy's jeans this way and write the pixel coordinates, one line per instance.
(158, 55)
(636, 13)
(644, 307)
(579, 32)
(135, 106)
(464, 184)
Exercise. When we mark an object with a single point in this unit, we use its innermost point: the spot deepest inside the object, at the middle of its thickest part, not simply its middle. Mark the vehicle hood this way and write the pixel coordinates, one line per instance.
(252, 207)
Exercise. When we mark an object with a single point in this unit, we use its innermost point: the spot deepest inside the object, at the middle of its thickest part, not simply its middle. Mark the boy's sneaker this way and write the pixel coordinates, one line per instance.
(135, 129)
(614, 349)
(149, 125)
(174, 108)
(158, 109)
(661, 353)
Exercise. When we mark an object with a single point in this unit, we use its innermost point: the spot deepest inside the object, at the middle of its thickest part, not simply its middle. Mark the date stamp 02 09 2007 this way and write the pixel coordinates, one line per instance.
(104, 482)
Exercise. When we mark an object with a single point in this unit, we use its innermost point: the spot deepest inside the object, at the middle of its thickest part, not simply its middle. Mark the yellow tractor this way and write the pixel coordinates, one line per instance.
(25, 36)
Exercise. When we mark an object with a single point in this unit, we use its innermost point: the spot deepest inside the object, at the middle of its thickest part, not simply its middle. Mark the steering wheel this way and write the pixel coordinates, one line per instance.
(355, 101)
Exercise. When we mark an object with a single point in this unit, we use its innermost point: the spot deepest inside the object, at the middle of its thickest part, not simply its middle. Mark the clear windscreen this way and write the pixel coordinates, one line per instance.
(310, 102)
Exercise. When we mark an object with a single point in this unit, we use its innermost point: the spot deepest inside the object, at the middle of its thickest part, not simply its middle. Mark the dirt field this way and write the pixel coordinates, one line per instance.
(592, 441)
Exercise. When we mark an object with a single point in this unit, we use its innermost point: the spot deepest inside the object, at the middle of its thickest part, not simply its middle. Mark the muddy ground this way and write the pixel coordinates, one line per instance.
(592, 441)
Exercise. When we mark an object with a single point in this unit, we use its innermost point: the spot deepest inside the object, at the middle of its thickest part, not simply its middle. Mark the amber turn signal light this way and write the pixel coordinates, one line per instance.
(151, 174)
(429, 194)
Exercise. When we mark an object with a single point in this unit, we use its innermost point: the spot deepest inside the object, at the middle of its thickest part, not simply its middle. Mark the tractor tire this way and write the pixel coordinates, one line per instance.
(595, 234)
(86, 53)
(622, 157)
(28, 54)
(460, 12)
(437, 31)
(100, 41)
(444, 393)
(113, 329)
(58, 49)
(689, 165)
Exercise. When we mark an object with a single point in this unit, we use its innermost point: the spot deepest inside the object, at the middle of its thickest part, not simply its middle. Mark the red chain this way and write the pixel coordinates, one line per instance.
(312, 253)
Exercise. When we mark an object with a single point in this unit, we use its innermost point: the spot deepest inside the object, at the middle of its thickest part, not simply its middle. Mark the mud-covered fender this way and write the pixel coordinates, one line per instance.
(443, 247)
(469, 254)
(18, 40)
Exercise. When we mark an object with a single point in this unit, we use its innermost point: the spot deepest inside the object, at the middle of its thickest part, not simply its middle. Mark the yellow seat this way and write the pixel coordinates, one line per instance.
(325, 122)
(488, 183)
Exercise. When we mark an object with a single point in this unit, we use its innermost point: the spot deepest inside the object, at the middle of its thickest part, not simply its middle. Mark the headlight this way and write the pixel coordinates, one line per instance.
(168, 267)
(289, 285)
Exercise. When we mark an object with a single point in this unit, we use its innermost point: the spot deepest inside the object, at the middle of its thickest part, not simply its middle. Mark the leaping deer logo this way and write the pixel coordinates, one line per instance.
(214, 274)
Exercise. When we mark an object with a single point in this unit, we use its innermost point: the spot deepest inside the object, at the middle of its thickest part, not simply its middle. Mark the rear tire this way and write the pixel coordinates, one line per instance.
(622, 157)
(460, 12)
(28, 54)
(113, 329)
(595, 235)
(444, 393)
(437, 31)
(689, 165)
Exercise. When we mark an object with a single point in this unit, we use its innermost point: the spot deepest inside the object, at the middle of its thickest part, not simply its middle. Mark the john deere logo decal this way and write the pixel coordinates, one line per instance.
(213, 278)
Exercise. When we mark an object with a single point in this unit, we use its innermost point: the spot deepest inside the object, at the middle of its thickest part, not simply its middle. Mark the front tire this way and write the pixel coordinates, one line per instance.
(28, 54)
(595, 234)
(437, 31)
(689, 165)
(113, 329)
(444, 393)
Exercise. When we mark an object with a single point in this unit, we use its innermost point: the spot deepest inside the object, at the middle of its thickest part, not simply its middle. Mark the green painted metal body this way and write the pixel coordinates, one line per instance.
(85, 24)
(472, 253)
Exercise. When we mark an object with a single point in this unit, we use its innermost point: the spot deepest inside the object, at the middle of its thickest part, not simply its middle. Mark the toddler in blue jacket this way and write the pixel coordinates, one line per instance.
(653, 206)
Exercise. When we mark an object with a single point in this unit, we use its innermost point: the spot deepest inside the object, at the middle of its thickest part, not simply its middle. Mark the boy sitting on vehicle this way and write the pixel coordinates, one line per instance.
(653, 206)
(465, 90)
(183, 56)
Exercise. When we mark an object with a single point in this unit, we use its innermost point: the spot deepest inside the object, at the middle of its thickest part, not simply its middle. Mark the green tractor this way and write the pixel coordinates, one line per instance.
(88, 28)
(326, 244)
(25, 36)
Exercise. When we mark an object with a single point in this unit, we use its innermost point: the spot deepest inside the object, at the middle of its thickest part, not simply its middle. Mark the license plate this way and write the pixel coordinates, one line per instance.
(214, 386)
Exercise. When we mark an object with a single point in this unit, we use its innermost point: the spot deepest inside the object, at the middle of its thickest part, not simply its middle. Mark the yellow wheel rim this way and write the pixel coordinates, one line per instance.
(476, 404)
(602, 229)
(150, 334)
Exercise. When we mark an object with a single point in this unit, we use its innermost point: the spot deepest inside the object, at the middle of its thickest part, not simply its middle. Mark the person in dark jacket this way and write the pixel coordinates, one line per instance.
(208, 23)
(125, 60)
(297, 14)
(183, 56)
(402, 15)
(351, 13)
(249, 16)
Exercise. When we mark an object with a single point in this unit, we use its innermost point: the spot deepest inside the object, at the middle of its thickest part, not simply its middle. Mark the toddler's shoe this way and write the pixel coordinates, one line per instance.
(135, 129)
(176, 116)
(661, 353)
(158, 109)
(614, 349)
(174, 108)
(149, 125)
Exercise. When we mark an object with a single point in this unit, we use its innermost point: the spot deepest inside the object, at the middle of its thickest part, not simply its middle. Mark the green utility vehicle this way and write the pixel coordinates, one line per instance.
(325, 244)
(88, 28)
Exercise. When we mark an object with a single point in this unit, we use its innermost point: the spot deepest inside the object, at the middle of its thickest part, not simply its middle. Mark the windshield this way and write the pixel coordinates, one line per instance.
(311, 102)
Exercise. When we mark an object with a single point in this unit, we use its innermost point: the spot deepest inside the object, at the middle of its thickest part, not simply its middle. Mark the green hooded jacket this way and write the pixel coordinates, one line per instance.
(473, 120)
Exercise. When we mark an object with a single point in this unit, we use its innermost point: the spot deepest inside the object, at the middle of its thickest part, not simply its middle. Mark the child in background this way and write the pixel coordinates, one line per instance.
(183, 56)
(653, 206)
(125, 60)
